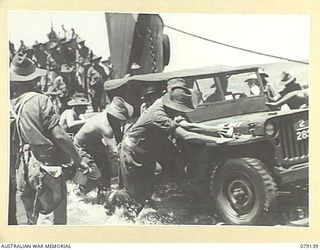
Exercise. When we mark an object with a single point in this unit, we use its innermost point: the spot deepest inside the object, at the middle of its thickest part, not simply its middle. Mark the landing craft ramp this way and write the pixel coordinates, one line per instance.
(137, 43)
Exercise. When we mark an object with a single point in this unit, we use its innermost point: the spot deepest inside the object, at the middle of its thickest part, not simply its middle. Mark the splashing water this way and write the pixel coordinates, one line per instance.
(174, 204)
(173, 207)
(83, 210)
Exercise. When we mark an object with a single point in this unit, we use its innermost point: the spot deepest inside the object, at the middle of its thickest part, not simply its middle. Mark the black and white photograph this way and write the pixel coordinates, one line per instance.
(122, 119)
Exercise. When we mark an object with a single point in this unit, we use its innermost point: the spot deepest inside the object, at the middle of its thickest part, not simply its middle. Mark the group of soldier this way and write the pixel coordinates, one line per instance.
(59, 77)
(43, 155)
(71, 67)
(52, 142)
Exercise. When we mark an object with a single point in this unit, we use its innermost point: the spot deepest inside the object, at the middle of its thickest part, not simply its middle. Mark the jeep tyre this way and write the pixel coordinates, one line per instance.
(166, 49)
(244, 192)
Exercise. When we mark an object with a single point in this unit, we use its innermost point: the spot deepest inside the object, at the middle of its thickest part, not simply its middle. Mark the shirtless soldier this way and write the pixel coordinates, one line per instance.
(106, 126)
(70, 119)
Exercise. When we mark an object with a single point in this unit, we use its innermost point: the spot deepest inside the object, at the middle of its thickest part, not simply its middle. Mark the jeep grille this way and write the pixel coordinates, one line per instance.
(292, 149)
(293, 138)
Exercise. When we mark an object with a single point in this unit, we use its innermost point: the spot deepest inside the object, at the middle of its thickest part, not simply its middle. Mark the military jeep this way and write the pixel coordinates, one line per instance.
(270, 150)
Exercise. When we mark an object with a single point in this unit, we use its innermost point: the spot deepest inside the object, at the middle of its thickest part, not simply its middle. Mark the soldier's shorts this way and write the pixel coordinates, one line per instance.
(96, 157)
(137, 176)
(42, 192)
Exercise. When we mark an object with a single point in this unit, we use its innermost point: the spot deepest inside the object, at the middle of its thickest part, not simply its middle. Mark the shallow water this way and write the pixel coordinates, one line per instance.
(174, 204)
(172, 207)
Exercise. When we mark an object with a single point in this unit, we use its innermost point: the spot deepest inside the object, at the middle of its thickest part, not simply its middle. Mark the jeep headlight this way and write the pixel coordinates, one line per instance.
(270, 129)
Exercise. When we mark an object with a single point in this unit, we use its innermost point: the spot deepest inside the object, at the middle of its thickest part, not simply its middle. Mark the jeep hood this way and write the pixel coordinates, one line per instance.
(251, 123)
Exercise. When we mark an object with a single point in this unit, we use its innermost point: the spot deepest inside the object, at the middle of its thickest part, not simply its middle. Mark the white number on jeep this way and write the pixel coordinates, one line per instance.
(303, 134)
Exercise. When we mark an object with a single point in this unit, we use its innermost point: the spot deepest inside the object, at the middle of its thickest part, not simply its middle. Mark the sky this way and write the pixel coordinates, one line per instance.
(281, 35)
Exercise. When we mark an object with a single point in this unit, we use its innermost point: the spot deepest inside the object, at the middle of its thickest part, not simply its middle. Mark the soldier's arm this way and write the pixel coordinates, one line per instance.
(198, 138)
(302, 94)
(61, 138)
(88, 76)
(71, 122)
(51, 123)
(108, 138)
(107, 134)
(272, 94)
(197, 128)
(111, 144)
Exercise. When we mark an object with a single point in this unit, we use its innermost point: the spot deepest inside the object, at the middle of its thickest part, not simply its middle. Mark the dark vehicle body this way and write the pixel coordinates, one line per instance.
(269, 154)
(137, 38)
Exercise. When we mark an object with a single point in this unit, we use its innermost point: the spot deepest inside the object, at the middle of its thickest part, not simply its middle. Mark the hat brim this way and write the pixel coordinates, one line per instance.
(115, 113)
(19, 78)
(175, 106)
(53, 93)
(288, 81)
(75, 103)
(66, 71)
(247, 80)
(148, 94)
(53, 47)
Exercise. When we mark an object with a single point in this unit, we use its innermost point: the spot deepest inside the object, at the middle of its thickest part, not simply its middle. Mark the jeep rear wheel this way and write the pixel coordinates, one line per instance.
(244, 192)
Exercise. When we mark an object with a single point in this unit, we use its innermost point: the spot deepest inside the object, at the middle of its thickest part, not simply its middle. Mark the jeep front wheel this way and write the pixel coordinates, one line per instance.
(244, 192)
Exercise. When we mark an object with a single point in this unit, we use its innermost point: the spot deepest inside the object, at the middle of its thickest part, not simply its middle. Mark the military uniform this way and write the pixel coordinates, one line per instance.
(96, 76)
(295, 102)
(141, 148)
(37, 118)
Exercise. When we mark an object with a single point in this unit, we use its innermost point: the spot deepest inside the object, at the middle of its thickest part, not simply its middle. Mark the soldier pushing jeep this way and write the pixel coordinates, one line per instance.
(143, 142)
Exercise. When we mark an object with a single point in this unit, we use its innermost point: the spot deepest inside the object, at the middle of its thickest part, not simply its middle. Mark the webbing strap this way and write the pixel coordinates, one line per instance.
(16, 115)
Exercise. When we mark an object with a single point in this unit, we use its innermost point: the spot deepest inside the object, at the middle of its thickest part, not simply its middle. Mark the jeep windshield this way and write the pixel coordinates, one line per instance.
(226, 87)
(224, 90)
(228, 94)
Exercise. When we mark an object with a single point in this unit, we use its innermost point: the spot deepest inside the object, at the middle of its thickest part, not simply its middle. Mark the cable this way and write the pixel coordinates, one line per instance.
(235, 47)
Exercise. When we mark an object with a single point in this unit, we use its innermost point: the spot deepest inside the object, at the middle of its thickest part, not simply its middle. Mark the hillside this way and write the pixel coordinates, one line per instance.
(275, 70)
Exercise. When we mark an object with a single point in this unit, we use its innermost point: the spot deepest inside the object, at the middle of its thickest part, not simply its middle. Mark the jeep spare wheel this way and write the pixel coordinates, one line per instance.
(244, 192)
